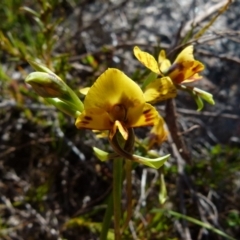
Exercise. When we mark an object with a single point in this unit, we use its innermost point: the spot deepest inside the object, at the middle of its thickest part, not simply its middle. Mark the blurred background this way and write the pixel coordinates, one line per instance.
(51, 184)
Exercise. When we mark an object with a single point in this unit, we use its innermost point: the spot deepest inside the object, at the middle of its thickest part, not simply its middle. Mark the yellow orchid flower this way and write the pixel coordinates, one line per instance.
(115, 102)
(184, 69)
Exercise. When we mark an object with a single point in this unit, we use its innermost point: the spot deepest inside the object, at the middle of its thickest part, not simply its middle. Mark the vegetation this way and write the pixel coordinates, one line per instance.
(52, 183)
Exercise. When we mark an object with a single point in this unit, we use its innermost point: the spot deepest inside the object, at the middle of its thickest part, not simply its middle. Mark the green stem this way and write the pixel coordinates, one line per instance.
(128, 175)
(117, 191)
(107, 218)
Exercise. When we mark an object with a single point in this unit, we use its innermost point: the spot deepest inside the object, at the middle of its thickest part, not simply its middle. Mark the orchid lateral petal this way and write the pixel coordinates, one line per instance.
(102, 155)
(153, 163)
(159, 90)
(146, 59)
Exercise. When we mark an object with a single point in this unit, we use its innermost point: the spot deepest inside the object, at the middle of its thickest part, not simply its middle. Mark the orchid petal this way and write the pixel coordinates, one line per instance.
(146, 59)
(159, 90)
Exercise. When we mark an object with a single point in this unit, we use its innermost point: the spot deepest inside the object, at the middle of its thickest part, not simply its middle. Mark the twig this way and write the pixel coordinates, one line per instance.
(208, 11)
(206, 113)
(112, 48)
(180, 164)
(171, 119)
(96, 201)
(31, 143)
(220, 56)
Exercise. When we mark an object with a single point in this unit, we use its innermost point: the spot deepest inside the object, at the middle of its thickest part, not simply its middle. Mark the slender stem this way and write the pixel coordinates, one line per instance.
(128, 173)
(107, 218)
(117, 190)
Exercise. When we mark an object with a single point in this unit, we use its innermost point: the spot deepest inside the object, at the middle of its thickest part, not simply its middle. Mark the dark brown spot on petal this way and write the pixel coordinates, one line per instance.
(88, 118)
(146, 111)
(84, 122)
(149, 119)
(173, 67)
(179, 78)
(148, 115)
(197, 69)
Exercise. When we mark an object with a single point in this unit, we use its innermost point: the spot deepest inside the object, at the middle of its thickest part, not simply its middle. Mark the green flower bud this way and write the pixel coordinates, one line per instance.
(47, 85)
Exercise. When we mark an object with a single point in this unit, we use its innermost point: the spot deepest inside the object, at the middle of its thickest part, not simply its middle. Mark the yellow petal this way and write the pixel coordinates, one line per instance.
(160, 90)
(148, 117)
(146, 59)
(194, 78)
(185, 70)
(185, 55)
(112, 88)
(163, 62)
(118, 126)
(165, 65)
(185, 66)
(101, 134)
(161, 56)
(94, 118)
(84, 91)
(158, 133)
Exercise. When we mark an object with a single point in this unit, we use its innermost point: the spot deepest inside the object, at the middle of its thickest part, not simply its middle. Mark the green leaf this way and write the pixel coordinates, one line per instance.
(151, 77)
(200, 223)
(163, 190)
(40, 67)
(195, 221)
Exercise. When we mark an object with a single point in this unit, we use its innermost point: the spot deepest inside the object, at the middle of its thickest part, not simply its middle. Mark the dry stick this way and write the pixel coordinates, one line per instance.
(171, 119)
(208, 114)
(180, 179)
(112, 48)
(220, 56)
(201, 17)
(205, 113)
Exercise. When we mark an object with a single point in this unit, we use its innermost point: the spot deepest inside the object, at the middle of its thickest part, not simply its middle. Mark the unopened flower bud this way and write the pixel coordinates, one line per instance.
(47, 85)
